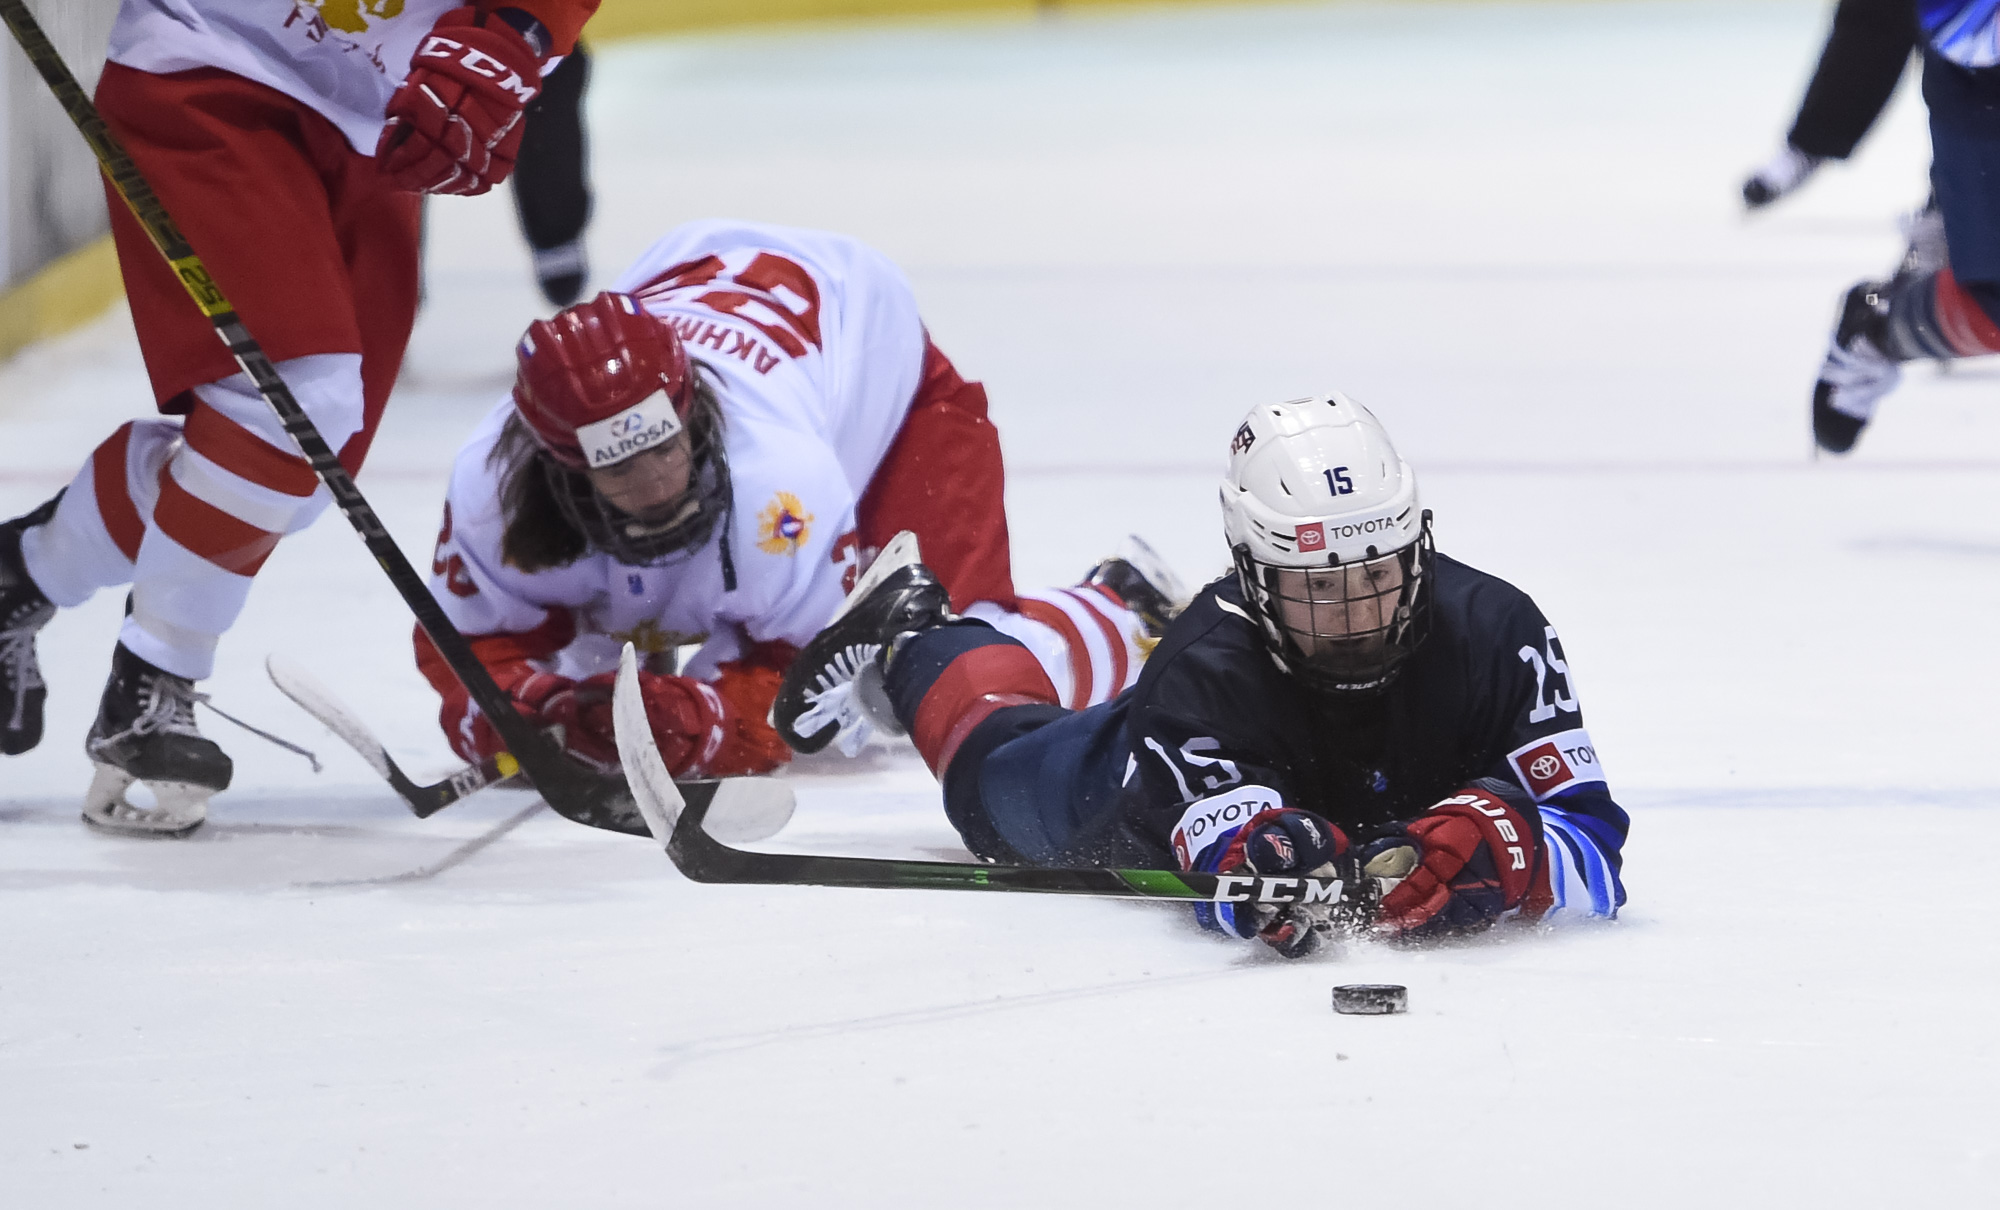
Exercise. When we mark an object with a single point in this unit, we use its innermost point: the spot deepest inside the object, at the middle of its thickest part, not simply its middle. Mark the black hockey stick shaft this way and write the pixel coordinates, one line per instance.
(426, 801)
(675, 813)
(705, 859)
(546, 767)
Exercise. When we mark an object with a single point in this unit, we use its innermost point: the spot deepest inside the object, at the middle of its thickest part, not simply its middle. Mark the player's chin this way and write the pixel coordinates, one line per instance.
(1357, 660)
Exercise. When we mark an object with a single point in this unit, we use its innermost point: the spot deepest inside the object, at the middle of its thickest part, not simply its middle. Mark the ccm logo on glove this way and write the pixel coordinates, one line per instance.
(477, 63)
(454, 124)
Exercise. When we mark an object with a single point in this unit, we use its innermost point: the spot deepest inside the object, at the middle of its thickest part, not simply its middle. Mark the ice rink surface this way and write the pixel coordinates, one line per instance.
(1513, 232)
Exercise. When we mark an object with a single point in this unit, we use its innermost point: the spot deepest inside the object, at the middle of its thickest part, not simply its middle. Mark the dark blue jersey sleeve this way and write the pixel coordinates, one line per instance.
(1550, 764)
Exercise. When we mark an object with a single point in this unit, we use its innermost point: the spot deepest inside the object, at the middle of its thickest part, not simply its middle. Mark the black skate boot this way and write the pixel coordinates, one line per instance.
(23, 612)
(1143, 582)
(1856, 373)
(145, 731)
(834, 688)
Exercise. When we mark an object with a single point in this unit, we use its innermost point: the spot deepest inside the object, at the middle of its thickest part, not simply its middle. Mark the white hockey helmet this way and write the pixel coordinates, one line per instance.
(1331, 544)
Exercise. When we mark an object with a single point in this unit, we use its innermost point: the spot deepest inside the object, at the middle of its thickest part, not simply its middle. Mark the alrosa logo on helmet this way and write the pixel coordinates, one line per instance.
(648, 424)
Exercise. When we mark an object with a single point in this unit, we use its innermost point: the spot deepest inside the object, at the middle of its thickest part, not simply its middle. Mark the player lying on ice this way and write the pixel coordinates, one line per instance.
(1348, 700)
(710, 456)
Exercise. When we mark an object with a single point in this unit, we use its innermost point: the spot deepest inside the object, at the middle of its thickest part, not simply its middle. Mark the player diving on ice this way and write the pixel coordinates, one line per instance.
(1349, 704)
(710, 455)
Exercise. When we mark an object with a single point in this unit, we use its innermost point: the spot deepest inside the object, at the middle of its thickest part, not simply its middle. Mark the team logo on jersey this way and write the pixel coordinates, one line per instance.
(783, 526)
(1548, 766)
(355, 16)
(649, 638)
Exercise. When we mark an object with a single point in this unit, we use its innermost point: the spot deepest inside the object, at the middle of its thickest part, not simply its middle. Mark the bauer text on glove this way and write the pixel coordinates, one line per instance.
(1457, 867)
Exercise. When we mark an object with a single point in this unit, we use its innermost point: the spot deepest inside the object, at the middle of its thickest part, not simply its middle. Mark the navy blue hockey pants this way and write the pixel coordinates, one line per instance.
(1964, 108)
(1030, 785)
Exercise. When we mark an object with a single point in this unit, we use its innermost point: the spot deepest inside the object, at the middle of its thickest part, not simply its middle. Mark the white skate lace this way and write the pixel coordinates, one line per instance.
(17, 656)
(1860, 377)
(832, 698)
(166, 706)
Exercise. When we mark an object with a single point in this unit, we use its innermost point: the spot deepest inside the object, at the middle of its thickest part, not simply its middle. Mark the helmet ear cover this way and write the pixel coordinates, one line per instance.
(1341, 658)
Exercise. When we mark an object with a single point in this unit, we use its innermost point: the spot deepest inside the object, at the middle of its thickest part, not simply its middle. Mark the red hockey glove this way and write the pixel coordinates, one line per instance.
(1458, 866)
(1279, 841)
(698, 733)
(472, 735)
(752, 746)
(455, 120)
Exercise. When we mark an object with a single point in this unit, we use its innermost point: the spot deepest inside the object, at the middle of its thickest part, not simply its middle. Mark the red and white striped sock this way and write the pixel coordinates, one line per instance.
(1084, 637)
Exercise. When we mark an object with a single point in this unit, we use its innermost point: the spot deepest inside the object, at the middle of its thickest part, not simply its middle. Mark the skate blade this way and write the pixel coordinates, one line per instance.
(183, 806)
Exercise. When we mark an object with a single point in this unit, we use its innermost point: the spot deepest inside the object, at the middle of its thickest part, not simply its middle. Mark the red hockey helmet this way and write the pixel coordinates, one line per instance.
(601, 381)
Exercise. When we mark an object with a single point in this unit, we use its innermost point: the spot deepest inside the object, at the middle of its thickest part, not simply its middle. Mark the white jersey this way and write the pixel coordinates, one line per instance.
(816, 346)
(341, 57)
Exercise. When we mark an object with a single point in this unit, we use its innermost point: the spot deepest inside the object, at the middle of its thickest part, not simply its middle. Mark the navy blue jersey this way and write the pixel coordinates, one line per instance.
(1486, 697)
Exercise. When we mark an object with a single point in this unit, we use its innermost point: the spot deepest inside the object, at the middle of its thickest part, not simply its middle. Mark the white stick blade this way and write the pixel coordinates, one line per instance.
(652, 786)
(315, 699)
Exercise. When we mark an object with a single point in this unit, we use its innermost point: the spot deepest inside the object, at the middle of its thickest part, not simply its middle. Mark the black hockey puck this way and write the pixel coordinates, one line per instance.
(1370, 999)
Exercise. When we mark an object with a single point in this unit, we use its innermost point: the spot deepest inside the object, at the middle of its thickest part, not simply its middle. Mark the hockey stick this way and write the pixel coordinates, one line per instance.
(424, 801)
(739, 808)
(598, 803)
(676, 823)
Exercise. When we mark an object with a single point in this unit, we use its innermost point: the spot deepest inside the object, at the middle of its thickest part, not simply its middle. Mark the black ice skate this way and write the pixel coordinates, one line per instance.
(1143, 582)
(834, 688)
(23, 612)
(145, 731)
(1856, 373)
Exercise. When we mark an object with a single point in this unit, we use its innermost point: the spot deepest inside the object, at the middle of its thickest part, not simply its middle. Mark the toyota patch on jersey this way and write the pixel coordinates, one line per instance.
(1549, 766)
(1210, 819)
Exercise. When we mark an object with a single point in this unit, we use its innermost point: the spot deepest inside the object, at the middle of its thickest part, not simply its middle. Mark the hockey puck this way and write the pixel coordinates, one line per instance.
(1370, 999)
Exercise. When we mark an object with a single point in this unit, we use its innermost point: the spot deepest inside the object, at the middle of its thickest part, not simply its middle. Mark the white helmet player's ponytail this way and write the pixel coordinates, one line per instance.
(1315, 484)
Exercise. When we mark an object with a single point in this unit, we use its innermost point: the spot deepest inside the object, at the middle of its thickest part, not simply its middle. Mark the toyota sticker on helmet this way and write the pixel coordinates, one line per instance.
(647, 424)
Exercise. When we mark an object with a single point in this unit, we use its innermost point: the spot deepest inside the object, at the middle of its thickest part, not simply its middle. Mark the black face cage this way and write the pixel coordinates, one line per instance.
(1344, 660)
(680, 529)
